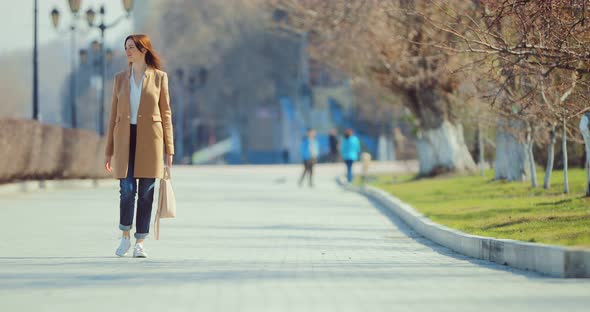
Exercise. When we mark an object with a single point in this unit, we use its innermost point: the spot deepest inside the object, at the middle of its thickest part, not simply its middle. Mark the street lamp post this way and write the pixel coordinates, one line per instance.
(194, 122)
(180, 116)
(90, 16)
(90, 72)
(196, 80)
(74, 8)
(35, 66)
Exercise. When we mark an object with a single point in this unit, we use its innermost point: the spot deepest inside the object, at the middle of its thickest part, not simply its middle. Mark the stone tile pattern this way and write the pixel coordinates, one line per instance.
(248, 239)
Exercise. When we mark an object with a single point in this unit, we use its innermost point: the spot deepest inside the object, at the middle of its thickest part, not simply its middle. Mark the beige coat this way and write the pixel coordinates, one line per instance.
(154, 126)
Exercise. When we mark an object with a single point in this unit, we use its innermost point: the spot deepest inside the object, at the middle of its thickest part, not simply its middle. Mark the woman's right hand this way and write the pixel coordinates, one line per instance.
(107, 164)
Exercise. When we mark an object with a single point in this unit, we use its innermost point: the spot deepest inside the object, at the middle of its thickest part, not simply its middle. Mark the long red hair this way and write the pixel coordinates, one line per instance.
(142, 42)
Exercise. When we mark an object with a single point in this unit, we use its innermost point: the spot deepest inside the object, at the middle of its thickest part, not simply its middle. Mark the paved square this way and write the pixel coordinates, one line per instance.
(248, 239)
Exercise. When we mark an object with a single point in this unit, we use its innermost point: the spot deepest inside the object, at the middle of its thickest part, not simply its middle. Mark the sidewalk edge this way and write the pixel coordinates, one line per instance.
(40, 185)
(556, 261)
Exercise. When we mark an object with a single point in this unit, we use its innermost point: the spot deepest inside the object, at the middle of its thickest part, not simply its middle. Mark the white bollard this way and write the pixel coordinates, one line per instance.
(365, 161)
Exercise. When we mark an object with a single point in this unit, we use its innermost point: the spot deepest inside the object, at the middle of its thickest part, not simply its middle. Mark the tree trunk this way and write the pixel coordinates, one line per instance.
(443, 149)
(440, 144)
(585, 130)
(550, 158)
(511, 155)
(566, 182)
(481, 150)
(531, 156)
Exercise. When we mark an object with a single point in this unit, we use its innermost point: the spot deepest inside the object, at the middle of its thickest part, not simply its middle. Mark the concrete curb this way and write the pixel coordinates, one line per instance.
(551, 260)
(40, 185)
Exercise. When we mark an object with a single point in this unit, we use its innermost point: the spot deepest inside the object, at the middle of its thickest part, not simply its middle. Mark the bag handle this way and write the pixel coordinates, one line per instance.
(157, 225)
(166, 173)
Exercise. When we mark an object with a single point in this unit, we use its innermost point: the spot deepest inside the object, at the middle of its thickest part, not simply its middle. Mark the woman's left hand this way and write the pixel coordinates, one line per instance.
(169, 160)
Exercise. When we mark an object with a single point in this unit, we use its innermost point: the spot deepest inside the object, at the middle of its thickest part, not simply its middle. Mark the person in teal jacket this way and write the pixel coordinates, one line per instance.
(350, 149)
(310, 150)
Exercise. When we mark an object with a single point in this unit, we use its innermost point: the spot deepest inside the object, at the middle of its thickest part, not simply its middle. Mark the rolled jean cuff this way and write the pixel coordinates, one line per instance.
(125, 227)
(141, 235)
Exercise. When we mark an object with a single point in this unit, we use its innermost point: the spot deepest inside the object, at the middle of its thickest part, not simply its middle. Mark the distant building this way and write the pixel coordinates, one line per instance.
(263, 92)
(275, 129)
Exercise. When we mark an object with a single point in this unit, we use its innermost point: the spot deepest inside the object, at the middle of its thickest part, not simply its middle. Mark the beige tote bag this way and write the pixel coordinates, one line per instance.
(166, 202)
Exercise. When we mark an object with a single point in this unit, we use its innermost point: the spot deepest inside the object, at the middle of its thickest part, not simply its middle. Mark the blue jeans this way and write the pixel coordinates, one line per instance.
(307, 169)
(128, 189)
(349, 169)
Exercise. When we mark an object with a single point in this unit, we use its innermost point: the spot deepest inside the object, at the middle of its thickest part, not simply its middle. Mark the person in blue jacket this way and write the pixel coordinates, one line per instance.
(350, 149)
(310, 150)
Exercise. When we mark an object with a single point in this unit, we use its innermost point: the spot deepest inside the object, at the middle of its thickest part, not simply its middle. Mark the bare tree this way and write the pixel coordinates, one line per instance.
(388, 44)
(530, 49)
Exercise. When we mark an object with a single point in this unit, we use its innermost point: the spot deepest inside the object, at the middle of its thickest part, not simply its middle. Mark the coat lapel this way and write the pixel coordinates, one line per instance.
(146, 80)
(127, 90)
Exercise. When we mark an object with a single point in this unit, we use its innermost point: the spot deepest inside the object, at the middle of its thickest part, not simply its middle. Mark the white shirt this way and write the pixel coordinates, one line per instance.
(134, 96)
(312, 149)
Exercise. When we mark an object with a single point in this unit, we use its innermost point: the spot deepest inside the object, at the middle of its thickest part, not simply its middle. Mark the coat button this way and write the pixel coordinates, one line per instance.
(128, 117)
(139, 116)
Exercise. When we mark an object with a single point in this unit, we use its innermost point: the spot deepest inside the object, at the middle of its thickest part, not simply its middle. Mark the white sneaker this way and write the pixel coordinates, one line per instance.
(123, 247)
(138, 251)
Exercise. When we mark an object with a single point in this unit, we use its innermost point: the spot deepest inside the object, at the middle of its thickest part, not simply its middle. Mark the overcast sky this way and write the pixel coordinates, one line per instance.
(17, 22)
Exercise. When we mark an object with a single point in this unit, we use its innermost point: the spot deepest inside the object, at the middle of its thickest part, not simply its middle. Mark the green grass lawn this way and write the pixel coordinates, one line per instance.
(482, 206)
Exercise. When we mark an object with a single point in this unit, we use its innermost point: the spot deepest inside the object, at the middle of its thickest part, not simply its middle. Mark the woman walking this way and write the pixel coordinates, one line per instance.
(140, 129)
(351, 147)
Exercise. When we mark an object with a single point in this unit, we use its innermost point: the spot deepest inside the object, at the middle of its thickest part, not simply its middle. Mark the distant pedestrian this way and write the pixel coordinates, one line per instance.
(351, 147)
(333, 146)
(309, 153)
(285, 156)
(139, 132)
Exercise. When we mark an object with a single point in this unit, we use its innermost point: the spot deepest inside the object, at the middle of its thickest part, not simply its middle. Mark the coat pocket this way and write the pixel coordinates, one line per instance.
(157, 126)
